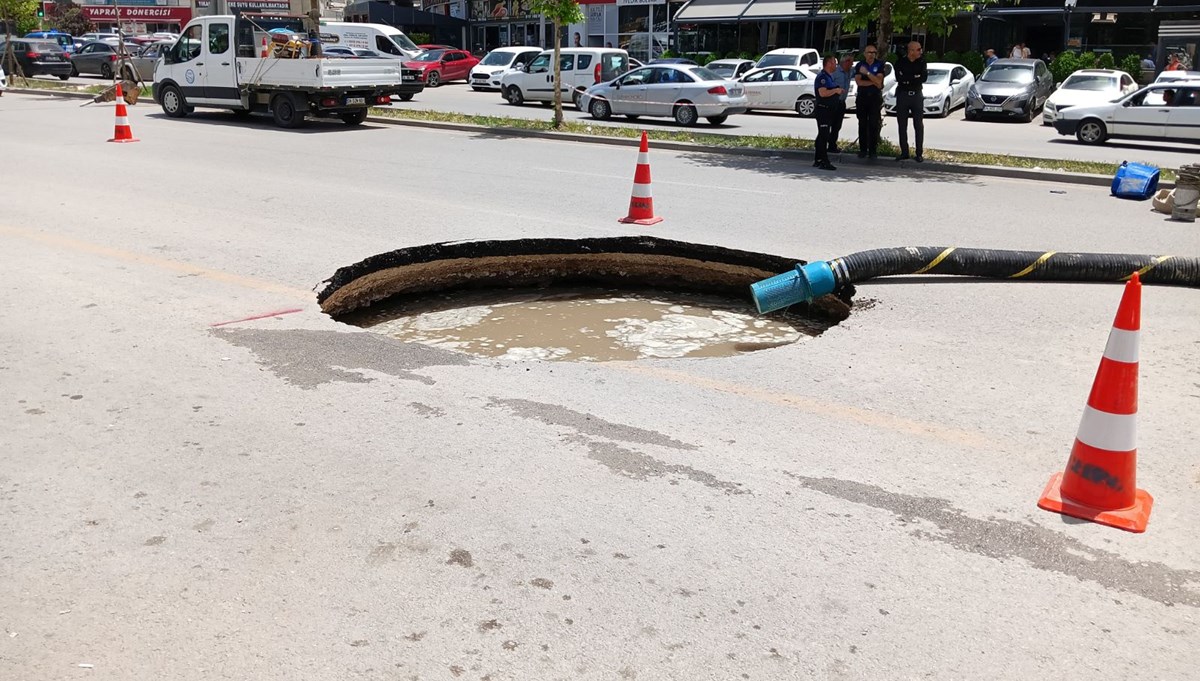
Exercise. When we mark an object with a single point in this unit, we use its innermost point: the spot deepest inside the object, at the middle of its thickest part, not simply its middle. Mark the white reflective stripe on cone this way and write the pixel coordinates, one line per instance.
(642, 191)
(1123, 345)
(643, 158)
(122, 121)
(1112, 432)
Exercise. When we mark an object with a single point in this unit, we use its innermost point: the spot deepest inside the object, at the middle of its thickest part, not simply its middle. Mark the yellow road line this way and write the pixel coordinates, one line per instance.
(67, 243)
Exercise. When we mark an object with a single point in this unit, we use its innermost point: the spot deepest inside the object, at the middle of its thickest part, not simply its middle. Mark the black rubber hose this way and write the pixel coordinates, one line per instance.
(1036, 265)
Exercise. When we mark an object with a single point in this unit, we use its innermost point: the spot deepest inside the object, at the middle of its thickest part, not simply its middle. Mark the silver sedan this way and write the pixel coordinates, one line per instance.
(683, 92)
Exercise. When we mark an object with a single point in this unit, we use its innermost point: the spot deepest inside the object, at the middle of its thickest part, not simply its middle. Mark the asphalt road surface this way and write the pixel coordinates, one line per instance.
(952, 133)
(290, 497)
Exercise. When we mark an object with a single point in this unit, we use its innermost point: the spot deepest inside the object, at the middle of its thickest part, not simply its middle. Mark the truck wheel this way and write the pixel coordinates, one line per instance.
(514, 96)
(285, 111)
(173, 103)
(405, 98)
(354, 117)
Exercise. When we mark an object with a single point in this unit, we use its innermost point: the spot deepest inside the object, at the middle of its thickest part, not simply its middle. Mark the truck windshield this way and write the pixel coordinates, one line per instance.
(497, 59)
(403, 41)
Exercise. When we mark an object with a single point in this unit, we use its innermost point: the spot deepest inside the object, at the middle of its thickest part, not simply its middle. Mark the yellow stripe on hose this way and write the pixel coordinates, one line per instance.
(1034, 266)
(1158, 260)
(936, 261)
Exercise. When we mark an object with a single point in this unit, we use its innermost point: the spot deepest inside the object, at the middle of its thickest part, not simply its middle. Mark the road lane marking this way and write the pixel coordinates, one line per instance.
(67, 243)
(679, 184)
(821, 407)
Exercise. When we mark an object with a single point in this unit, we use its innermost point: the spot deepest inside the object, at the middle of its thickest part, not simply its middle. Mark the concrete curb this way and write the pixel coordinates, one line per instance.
(1055, 176)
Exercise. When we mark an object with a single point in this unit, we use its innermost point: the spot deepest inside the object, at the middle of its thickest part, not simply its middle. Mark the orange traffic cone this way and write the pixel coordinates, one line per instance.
(263, 50)
(122, 132)
(641, 204)
(1100, 481)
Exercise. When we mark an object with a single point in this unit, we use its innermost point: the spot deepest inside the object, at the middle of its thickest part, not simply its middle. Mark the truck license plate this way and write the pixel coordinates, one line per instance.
(992, 109)
(351, 101)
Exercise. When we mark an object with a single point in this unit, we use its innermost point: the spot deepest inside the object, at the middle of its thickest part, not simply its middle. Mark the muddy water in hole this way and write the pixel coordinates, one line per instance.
(583, 324)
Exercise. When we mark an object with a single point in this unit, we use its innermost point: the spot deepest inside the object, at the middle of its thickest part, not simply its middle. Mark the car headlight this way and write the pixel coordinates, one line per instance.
(972, 92)
(496, 73)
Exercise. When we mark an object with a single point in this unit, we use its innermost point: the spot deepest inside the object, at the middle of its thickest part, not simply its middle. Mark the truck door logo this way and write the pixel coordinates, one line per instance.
(189, 76)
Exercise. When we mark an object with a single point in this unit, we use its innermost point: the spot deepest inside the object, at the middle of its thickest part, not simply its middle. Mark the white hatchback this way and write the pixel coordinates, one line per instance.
(487, 73)
(1086, 87)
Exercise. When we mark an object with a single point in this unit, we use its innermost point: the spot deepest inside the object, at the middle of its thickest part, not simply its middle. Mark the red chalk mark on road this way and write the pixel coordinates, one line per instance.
(260, 316)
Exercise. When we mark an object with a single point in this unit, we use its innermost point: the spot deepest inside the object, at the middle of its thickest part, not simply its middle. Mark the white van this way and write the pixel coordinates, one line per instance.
(386, 40)
(582, 67)
(486, 74)
(790, 56)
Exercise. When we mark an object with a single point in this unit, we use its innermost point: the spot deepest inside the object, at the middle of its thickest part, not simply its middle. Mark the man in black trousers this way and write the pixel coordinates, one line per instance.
(868, 74)
(910, 76)
(828, 104)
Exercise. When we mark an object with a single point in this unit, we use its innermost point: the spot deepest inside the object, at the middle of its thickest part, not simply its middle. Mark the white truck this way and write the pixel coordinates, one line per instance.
(218, 62)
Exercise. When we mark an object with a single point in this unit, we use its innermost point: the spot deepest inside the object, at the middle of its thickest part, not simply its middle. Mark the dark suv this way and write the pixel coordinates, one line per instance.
(36, 58)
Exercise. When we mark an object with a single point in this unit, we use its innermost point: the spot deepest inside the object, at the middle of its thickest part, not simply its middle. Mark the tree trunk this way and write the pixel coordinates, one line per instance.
(885, 29)
(558, 111)
(10, 58)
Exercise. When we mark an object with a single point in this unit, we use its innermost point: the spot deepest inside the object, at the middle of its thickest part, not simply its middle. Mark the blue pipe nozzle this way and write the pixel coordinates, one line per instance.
(798, 286)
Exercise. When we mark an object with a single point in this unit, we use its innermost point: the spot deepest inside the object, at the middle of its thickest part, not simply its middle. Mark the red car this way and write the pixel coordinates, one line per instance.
(441, 66)
(437, 47)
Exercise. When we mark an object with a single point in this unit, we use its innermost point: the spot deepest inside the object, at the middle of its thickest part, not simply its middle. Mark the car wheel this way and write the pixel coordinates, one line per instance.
(286, 112)
(600, 109)
(63, 77)
(685, 114)
(355, 117)
(806, 106)
(106, 71)
(405, 98)
(477, 89)
(969, 115)
(717, 120)
(74, 71)
(434, 79)
(945, 108)
(514, 96)
(127, 74)
(633, 117)
(172, 102)
(1091, 131)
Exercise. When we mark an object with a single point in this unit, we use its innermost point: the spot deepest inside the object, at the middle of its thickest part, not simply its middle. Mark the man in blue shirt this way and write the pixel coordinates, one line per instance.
(868, 75)
(843, 76)
(829, 101)
(989, 56)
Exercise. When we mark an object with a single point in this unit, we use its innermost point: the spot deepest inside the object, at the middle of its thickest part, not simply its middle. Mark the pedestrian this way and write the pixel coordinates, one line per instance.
(843, 76)
(1148, 64)
(608, 44)
(989, 56)
(1173, 63)
(868, 75)
(910, 103)
(1018, 51)
(828, 102)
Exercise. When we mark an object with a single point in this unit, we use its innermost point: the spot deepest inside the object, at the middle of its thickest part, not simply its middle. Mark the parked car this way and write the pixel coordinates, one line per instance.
(582, 67)
(1162, 111)
(1172, 76)
(790, 56)
(1013, 88)
(106, 37)
(437, 47)
(3, 80)
(486, 74)
(674, 60)
(1088, 86)
(780, 88)
(140, 66)
(367, 54)
(65, 40)
(36, 58)
(443, 66)
(98, 57)
(685, 93)
(945, 89)
(730, 69)
(338, 51)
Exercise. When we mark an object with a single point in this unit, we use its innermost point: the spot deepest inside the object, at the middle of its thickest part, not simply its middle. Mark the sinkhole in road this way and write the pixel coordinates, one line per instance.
(600, 299)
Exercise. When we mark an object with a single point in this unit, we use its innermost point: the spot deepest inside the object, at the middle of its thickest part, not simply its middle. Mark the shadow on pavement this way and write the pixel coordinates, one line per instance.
(1175, 148)
(230, 119)
(849, 168)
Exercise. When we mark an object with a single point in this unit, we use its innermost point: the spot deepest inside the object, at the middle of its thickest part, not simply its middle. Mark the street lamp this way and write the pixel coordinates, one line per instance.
(1068, 7)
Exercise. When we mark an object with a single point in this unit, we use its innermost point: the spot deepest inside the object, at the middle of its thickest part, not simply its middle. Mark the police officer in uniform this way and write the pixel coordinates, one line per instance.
(910, 103)
(829, 102)
(868, 74)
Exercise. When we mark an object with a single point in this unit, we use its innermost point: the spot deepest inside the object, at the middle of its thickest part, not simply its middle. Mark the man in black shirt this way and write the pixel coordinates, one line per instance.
(910, 76)
(869, 74)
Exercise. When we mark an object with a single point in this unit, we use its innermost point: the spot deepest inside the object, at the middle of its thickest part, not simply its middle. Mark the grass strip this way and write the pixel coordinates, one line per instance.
(767, 142)
(35, 84)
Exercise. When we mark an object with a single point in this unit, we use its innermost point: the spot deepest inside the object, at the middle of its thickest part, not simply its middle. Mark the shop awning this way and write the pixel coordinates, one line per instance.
(782, 10)
(698, 11)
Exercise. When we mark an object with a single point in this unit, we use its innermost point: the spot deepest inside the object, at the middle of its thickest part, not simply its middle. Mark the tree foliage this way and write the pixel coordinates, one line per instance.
(561, 13)
(16, 15)
(69, 18)
(935, 15)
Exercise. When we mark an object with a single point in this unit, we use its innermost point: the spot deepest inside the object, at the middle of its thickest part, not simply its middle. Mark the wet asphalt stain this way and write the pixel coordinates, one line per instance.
(1041, 548)
(586, 424)
(309, 358)
(639, 466)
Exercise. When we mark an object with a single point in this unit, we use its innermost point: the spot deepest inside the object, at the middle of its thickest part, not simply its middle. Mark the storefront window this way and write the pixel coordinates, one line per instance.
(644, 30)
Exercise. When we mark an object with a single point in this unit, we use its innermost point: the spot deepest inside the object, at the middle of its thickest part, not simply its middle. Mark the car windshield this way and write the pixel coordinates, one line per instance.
(1008, 73)
(723, 70)
(702, 73)
(1093, 83)
(432, 55)
(497, 59)
(403, 41)
(777, 60)
(46, 46)
(938, 76)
